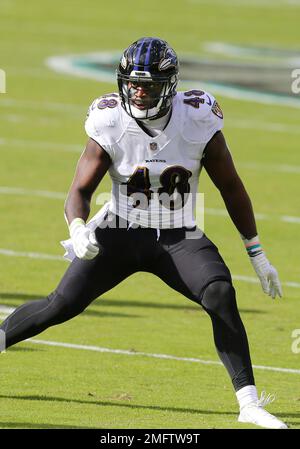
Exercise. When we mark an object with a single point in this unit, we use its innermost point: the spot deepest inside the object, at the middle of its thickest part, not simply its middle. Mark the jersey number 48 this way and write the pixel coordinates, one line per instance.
(171, 194)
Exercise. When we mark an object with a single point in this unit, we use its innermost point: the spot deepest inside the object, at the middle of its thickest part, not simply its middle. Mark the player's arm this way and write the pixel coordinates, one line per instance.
(220, 168)
(91, 168)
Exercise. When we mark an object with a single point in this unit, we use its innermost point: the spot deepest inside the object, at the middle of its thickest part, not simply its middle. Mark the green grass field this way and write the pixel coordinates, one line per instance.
(41, 136)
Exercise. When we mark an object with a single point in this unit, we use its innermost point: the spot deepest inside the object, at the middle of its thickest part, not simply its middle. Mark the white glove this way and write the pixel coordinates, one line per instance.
(83, 239)
(267, 274)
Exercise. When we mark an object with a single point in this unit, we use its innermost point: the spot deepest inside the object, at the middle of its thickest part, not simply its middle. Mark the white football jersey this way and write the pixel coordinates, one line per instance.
(155, 179)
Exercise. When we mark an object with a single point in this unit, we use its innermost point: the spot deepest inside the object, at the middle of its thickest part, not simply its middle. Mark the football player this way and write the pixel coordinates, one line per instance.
(154, 141)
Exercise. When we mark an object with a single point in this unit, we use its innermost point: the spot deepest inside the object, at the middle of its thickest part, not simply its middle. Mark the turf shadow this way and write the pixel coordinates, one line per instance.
(26, 425)
(186, 306)
(114, 404)
(139, 407)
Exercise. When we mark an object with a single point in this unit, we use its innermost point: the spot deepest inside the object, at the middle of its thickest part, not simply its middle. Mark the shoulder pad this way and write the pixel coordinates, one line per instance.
(202, 116)
(196, 103)
(103, 119)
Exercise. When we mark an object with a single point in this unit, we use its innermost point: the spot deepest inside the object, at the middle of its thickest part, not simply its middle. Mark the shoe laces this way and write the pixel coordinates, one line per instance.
(265, 399)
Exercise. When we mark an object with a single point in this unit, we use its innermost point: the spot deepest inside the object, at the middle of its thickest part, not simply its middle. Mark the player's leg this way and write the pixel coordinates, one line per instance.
(195, 268)
(230, 338)
(83, 281)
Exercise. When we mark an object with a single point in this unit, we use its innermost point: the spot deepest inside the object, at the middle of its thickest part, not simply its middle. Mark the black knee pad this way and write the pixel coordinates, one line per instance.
(219, 297)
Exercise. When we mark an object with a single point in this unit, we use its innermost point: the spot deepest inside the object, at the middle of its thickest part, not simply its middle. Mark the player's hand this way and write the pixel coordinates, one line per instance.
(267, 275)
(83, 239)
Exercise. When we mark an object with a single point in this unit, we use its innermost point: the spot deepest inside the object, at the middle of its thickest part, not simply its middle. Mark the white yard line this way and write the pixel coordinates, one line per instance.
(81, 110)
(77, 148)
(43, 256)
(255, 280)
(249, 4)
(258, 216)
(40, 145)
(30, 255)
(262, 126)
(152, 355)
(44, 106)
(230, 123)
(5, 311)
(44, 120)
(38, 72)
(5, 190)
(281, 168)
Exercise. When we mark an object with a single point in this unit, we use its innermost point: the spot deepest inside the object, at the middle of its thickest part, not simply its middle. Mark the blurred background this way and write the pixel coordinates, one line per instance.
(58, 56)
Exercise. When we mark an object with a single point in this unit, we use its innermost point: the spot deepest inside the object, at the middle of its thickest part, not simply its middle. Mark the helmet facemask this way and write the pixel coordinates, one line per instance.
(155, 100)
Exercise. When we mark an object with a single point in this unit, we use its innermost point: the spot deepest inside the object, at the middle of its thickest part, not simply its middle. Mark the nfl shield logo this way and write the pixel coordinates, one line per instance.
(153, 146)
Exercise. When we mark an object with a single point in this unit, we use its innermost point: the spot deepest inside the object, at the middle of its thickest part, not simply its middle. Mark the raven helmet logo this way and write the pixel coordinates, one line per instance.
(217, 110)
(169, 59)
(164, 64)
(124, 61)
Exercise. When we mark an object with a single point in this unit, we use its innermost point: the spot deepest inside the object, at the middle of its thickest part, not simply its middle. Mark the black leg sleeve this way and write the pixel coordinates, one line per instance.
(35, 316)
(230, 336)
(83, 282)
